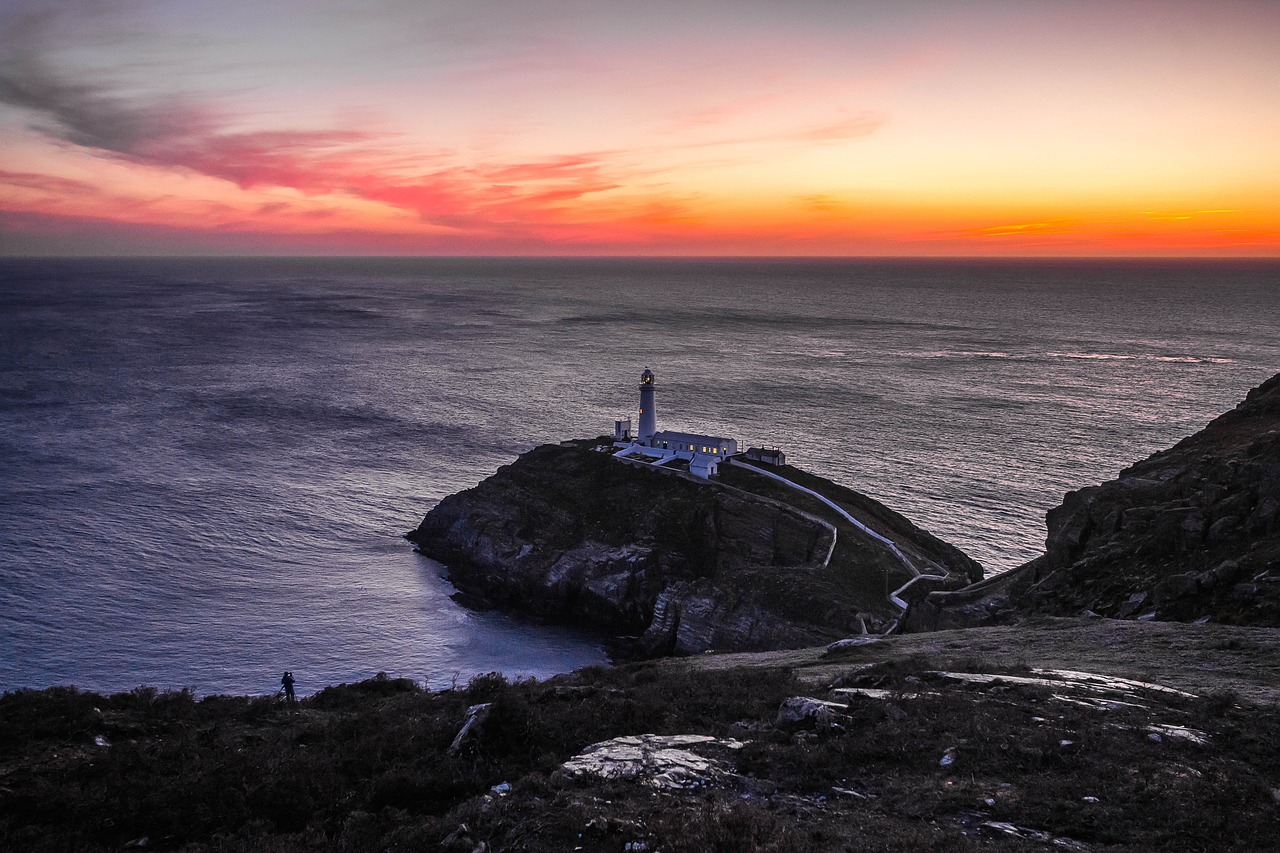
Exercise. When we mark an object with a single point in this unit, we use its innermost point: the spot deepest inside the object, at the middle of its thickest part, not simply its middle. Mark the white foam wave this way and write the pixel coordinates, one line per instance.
(1091, 356)
(1173, 359)
(950, 353)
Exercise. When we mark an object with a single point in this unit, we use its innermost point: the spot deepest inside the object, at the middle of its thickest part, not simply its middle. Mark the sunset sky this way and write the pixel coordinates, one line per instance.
(698, 127)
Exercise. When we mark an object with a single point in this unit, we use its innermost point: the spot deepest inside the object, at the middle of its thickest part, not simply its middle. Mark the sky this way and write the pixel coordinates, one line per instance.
(698, 127)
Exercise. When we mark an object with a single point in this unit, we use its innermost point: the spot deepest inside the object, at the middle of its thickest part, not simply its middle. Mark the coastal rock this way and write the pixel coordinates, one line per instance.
(680, 565)
(663, 762)
(1190, 532)
(1175, 587)
(851, 643)
(476, 716)
(806, 711)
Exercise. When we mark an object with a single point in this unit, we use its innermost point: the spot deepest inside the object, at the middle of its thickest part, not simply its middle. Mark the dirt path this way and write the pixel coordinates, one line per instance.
(1200, 659)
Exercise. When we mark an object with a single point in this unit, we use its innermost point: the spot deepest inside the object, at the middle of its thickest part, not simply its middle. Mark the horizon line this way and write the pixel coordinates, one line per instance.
(588, 257)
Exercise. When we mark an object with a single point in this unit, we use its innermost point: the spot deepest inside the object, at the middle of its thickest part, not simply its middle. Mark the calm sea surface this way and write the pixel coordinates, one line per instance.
(208, 465)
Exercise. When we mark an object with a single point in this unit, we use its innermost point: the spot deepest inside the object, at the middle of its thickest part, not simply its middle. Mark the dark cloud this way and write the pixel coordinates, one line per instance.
(165, 130)
(82, 113)
(169, 131)
(85, 115)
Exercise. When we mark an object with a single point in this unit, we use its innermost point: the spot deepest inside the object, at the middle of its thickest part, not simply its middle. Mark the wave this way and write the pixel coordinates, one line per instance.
(1173, 359)
(668, 318)
(949, 353)
(1091, 356)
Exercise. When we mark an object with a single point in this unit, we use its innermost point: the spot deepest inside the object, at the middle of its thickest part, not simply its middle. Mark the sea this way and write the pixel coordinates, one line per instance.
(207, 465)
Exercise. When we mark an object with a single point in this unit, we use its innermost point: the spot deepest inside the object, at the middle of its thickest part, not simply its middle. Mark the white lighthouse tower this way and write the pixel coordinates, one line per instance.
(648, 413)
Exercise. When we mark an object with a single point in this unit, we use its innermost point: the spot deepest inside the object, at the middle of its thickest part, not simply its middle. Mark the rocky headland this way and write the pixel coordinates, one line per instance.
(683, 565)
(1191, 533)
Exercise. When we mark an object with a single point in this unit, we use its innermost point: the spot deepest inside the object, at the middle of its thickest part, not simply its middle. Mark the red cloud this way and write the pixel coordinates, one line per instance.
(174, 133)
(46, 183)
(311, 161)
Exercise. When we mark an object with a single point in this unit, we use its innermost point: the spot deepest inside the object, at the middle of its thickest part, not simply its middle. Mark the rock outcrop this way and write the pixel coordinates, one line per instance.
(1190, 533)
(570, 534)
(662, 762)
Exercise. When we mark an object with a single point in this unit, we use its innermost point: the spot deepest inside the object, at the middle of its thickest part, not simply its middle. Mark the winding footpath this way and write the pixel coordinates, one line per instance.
(896, 595)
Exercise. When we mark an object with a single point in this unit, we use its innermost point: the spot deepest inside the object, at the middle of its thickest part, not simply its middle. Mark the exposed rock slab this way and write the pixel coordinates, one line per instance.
(664, 762)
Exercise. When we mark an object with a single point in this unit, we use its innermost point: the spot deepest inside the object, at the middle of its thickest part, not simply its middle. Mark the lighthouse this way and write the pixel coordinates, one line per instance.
(648, 414)
(687, 452)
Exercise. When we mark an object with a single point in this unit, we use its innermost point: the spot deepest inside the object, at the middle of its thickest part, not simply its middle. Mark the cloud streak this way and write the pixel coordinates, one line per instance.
(172, 132)
(169, 131)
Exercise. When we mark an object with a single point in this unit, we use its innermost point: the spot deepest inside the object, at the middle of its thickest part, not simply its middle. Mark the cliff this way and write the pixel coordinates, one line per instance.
(570, 534)
(1190, 533)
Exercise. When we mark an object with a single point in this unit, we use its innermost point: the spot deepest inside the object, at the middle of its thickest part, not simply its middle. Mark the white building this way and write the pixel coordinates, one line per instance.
(702, 453)
(693, 443)
(771, 455)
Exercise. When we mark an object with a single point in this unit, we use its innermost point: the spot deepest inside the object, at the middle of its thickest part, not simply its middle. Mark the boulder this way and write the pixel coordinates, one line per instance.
(805, 711)
(1223, 528)
(1175, 587)
(851, 643)
(1133, 604)
(474, 719)
(662, 762)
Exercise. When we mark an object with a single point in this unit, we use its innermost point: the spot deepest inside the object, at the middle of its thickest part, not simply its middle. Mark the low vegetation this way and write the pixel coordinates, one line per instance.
(368, 766)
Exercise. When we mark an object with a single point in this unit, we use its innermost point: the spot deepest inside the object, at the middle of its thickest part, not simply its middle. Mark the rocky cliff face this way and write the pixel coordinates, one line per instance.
(1189, 533)
(570, 534)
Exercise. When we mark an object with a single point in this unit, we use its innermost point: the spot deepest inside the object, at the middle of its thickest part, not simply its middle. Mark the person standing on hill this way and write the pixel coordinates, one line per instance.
(287, 684)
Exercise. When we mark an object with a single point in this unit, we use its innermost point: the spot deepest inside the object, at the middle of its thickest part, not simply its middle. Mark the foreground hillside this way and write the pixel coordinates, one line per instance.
(1190, 533)
(903, 744)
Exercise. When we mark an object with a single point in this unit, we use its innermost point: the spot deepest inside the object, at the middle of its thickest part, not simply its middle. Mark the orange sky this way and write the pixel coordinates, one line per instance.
(692, 128)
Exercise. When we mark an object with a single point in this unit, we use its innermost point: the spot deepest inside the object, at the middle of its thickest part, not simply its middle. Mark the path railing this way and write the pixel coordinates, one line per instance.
(916, 574)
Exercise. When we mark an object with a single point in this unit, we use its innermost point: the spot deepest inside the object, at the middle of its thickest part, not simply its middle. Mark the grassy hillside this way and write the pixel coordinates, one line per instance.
(368, 766)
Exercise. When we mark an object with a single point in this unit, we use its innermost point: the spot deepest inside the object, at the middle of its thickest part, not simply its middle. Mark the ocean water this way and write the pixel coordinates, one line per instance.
(208, 464)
